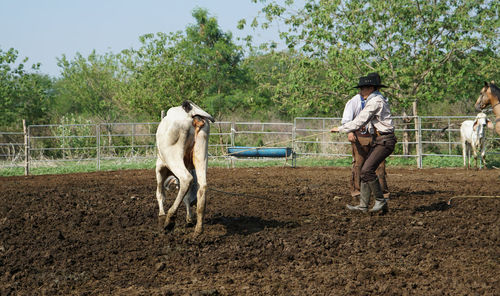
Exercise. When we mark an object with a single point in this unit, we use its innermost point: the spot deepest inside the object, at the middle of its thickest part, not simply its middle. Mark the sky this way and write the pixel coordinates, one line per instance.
(44, 30)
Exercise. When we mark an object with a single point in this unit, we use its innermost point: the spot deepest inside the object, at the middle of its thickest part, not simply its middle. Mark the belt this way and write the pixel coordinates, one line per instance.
(378, 134)
(383, 134)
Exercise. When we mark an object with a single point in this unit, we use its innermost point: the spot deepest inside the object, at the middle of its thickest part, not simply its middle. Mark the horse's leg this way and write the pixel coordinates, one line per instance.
(464, 152)
(468, 155)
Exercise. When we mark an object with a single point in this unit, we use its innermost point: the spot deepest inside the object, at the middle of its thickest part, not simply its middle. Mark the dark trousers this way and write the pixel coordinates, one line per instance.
(360, 152)
(382, 147)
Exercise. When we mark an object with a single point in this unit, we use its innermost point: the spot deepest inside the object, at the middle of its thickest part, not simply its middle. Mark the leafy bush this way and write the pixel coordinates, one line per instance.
(76, 136)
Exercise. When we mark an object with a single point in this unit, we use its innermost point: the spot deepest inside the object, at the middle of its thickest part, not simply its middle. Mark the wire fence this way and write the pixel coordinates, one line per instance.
(11, 148)
(309, 137)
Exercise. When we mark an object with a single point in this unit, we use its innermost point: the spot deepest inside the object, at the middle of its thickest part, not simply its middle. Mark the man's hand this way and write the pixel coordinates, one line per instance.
(351, 137)
(334, 130)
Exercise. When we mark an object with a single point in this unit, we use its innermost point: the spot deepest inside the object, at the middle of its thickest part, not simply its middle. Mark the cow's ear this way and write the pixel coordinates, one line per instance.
(187, 106)
(474, 126)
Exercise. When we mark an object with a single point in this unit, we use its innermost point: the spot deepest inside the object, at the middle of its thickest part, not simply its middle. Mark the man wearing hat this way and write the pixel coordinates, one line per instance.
(361, 140)
(376, 118)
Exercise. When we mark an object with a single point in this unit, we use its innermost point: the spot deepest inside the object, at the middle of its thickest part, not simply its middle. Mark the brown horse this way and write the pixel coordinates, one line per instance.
(490, 95)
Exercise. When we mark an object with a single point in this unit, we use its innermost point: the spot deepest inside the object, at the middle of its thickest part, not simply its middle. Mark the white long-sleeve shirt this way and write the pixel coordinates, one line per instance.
(352, 109)
(376, 112)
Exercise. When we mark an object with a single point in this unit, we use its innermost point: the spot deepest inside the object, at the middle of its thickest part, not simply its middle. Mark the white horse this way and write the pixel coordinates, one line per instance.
(182, 141)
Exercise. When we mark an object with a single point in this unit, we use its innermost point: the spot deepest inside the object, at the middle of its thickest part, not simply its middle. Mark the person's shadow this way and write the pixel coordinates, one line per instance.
(435, 207)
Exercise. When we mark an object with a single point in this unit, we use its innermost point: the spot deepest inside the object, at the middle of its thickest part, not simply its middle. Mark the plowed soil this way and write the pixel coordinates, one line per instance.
(268, 231)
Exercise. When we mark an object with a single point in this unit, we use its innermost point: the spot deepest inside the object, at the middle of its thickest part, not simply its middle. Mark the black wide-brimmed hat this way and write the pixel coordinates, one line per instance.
(372, 79)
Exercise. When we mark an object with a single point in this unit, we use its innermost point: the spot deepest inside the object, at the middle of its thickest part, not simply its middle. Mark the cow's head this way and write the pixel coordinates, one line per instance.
(480, 123)
(193, 110)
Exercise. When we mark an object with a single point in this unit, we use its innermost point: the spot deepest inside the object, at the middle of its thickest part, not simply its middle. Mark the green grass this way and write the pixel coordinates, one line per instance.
(80, 167)
(112, 165)
(441, 161)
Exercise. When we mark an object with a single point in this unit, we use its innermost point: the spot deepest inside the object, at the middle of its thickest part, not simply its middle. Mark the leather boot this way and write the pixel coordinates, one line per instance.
(364, 199)
(380, 201)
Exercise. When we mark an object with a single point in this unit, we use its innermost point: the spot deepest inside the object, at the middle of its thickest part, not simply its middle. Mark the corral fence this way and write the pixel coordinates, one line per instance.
(309, 137)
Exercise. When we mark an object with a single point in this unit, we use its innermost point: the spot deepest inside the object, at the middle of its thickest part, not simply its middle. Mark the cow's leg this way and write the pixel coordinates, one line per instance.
(483, 152)
(185, 180)
(201, 200)
(161, 176)
(200, 157)
(474, 152)
(190, 199)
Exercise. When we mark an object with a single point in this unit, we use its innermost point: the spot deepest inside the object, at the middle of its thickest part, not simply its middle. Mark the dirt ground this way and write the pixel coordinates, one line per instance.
(268, 231)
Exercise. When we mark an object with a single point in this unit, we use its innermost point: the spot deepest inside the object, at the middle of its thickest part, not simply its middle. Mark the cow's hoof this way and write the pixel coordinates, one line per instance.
(169, 226)
(161, 222)
(190, 220)
(197, 231)
(196, 234)
(169, 222)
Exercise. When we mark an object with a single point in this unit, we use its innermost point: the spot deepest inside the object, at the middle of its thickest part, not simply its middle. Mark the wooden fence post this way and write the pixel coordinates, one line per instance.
(233, 130)
(133, 139)
(418, 135)
(406, 137)
(294, 130)
(418, 123)
(98, 145)
(26, 149)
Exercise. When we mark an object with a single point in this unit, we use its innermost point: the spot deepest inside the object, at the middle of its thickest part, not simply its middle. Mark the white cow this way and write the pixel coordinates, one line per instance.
(473, 136)
(182, 141)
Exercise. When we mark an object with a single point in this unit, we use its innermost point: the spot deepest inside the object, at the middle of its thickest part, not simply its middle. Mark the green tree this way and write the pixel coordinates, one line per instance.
(202, 65)
(296, 84)
(425, 50)
(212, 51)
(157, 75)
(90, 86)
(23, 94)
